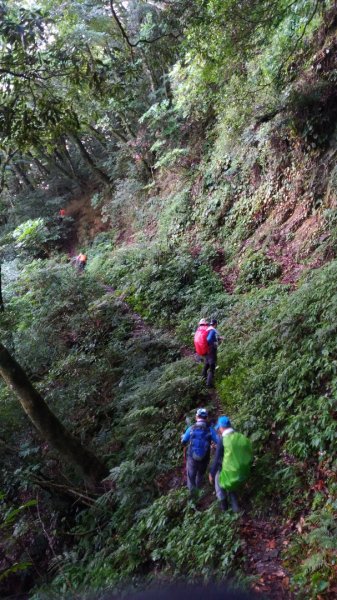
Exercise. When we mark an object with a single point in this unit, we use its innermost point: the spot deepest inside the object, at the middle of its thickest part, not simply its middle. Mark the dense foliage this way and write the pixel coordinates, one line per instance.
(193, 148)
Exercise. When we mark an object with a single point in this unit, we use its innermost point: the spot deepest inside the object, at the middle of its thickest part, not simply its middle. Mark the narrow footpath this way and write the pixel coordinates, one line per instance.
(263, 543)
(263, 539)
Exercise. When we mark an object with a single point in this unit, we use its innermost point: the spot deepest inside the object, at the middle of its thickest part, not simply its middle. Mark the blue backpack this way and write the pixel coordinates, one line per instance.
(200, 441)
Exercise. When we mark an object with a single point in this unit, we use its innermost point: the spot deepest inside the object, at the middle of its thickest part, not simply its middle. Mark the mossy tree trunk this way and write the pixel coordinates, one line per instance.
(47, 424)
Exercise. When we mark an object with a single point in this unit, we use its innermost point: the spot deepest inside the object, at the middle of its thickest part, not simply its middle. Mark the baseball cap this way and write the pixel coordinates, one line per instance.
(202, 412)
(223, 421)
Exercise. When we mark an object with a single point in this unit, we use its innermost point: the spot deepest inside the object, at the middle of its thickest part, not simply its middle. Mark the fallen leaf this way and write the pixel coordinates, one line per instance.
(300, 525)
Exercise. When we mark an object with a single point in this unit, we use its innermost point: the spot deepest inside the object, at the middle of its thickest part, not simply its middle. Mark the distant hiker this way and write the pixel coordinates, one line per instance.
(231, 463)
(81, 261)
(210, 358)
(198, 437)
(61, 215)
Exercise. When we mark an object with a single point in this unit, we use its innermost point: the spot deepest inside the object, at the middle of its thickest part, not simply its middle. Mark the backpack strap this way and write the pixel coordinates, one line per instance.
(202, 425)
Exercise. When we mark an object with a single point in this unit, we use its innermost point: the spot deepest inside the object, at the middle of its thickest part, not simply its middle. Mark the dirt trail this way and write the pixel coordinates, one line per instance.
(215, 400)
(140, 327)
(71, 244)
(264, 541)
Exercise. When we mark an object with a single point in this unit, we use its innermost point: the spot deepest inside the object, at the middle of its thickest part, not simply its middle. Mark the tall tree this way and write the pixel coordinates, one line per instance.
(47, 424)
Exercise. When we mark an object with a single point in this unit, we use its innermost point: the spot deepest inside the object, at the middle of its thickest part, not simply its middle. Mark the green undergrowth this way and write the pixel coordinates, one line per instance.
(276, 377)
(126, 394)
(277, 362)
(127, 391)
(316, 574)
(160, 281)
(157, 545)
(223, 178)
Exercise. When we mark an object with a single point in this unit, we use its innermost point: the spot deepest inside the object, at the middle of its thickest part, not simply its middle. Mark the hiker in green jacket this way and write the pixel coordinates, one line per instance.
(231, 463)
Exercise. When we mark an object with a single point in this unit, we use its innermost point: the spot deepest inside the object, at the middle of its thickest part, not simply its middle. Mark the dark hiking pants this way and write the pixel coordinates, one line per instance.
(196, 470)
(225, 497)
(209, 367)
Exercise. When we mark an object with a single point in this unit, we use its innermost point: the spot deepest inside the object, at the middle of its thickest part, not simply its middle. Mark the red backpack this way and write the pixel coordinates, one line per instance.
(200, 340)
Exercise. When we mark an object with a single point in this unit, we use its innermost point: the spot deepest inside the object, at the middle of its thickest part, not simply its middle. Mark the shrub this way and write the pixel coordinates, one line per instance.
(162, 281)
(35, 239)
(312, 552)
(256, 269)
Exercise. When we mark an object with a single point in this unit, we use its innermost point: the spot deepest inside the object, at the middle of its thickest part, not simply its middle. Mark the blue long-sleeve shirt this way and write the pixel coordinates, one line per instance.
(212, 337)
(217, 461)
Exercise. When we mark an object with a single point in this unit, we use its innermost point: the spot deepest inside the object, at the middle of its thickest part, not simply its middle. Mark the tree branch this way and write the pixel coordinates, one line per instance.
(141, 40)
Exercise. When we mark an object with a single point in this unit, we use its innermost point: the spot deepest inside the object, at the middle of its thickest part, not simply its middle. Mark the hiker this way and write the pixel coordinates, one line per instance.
(198, 437)
(200, 339)
(81, 261)
(210, 358)
(231, 463)
(61, 215)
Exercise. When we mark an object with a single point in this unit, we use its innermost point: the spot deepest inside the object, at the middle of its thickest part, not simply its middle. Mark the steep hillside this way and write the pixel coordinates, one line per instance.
(194, 153)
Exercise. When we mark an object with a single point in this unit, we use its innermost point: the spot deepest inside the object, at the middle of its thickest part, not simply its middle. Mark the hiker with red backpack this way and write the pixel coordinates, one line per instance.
(198, 437)
(231, 464)
(213, 340)
(206, 340)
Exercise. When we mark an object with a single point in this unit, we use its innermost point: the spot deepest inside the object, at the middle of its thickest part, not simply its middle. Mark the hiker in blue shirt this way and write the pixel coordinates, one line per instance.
(198, 437)
(213, 339)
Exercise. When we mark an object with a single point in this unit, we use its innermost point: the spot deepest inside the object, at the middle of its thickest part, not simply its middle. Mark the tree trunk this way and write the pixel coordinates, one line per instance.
(40, 167)
(23, 176)
(54, 166)
(59, 156)
(98, 136)
(89, 161)
(47, 423)
(127, 127)
(68, 157)
(4, 162)
(167, 88)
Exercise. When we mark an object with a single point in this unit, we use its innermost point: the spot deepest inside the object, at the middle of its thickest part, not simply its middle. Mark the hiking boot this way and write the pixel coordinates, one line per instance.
(234, 502)
(210, 380)
(223, 505)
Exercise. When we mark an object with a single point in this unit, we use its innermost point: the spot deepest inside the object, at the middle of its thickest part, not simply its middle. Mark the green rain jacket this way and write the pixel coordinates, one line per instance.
(237, 460)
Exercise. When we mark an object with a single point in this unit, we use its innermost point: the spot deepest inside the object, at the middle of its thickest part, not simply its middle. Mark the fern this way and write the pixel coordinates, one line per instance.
(313, 563)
